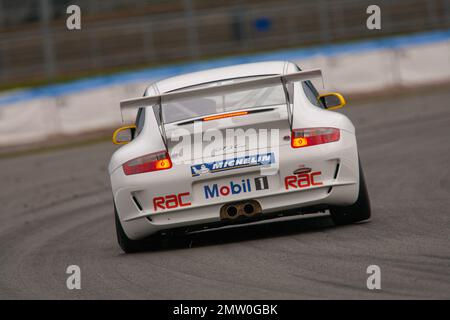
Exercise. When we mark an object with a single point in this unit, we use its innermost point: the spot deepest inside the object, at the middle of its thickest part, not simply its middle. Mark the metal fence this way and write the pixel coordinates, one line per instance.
(47, 50)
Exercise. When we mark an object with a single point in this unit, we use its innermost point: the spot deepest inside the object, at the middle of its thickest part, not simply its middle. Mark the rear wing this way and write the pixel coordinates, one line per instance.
(221, 89)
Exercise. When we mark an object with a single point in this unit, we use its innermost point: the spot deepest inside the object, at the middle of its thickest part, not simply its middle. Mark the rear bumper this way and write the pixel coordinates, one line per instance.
(339, 186)
(146, 225)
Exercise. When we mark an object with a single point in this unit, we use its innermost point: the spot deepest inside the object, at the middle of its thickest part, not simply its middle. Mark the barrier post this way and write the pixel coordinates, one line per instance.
(47, 39)
(191, 30)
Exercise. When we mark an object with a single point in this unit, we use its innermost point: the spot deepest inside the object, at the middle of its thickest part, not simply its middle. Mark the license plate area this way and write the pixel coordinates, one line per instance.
(235, 188)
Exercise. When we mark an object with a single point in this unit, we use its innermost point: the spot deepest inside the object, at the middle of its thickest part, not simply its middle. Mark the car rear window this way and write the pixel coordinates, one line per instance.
(196, 107)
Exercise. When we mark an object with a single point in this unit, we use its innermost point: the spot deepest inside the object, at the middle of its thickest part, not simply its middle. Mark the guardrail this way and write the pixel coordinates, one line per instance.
(49, 50)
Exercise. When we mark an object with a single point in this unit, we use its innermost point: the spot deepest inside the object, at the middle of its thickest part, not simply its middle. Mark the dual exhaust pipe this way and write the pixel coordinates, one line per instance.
(247, 209)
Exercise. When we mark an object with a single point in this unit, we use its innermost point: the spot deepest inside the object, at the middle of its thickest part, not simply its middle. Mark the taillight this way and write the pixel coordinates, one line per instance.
(313, 136)
(148, 163)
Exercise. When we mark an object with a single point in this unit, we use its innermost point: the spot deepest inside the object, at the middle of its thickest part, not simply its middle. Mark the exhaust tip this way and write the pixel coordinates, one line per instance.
(249, 209)
(232, 211)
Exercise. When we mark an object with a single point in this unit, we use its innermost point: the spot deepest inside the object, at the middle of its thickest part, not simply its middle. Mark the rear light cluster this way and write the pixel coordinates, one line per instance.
(148, 163)
(313, 136)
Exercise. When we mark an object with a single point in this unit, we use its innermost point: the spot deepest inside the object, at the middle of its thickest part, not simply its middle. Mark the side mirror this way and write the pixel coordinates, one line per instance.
(123, 135)
(332, 100)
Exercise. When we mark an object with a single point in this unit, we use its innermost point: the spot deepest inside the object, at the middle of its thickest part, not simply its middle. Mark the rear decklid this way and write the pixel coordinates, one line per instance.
(228, 118)
(225, 123)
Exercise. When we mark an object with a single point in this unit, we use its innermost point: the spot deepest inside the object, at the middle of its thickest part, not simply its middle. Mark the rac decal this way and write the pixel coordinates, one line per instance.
(302, 180)
(171, 201)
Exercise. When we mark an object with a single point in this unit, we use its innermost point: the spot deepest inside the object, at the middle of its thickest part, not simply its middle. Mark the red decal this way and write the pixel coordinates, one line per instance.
(180, 199)
(171, 201)
(302, 180)
(290, 181)
(225, 190)
(158, 202)
(317, 173)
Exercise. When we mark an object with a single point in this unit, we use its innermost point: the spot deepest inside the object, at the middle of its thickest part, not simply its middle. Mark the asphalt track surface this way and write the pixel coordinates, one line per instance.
(56, 211)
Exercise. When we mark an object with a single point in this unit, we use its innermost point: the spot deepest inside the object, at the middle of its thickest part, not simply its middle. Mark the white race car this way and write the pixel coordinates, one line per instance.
(233, 145)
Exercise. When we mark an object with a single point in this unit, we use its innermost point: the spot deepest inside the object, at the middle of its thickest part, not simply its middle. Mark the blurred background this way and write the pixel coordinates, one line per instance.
(117, 34)
(126, 44)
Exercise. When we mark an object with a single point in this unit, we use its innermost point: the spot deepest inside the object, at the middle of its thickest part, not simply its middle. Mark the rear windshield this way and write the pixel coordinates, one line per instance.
(196, 107)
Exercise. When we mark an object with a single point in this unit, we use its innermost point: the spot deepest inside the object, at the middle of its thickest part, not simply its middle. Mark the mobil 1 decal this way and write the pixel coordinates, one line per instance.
(261, 183)
(249, 185)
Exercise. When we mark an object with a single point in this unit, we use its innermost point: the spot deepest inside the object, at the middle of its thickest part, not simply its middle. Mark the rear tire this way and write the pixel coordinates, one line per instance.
(128, 245)
(356, 212)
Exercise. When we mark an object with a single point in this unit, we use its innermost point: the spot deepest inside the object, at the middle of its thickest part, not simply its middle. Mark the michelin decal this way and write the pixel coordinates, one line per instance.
(229, 164)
